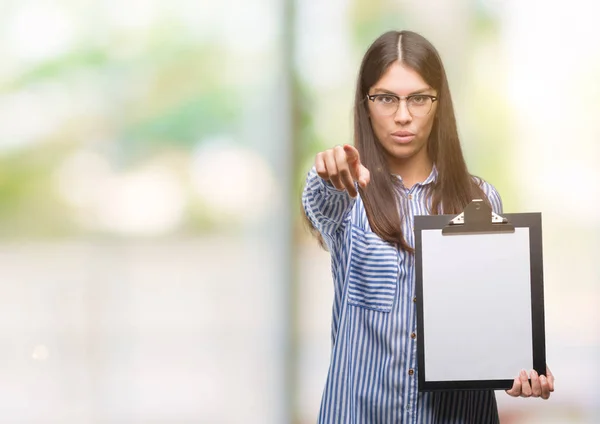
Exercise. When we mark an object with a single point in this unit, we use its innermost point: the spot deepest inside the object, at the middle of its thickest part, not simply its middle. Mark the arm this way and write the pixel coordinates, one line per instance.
(325, 206)
(493, 196)
(330, 190)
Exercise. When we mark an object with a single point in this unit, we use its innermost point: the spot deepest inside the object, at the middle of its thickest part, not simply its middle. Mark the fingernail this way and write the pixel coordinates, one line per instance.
(543, 378)
(523, 373)
(534, 373)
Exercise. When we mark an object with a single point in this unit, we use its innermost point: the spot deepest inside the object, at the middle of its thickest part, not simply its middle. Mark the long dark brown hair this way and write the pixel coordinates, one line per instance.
(454, 187)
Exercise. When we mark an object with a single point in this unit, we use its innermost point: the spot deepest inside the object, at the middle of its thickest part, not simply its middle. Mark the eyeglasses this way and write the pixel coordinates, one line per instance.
(388, 104)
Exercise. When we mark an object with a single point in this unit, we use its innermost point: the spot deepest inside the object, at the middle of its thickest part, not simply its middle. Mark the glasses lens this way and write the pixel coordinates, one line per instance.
(386, 105)
(419, 105)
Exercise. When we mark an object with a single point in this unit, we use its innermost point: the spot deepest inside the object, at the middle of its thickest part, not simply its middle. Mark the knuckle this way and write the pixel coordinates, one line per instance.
(341, 159)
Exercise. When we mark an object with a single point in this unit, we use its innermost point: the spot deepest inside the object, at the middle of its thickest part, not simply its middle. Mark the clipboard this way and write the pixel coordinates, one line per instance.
(480, 298)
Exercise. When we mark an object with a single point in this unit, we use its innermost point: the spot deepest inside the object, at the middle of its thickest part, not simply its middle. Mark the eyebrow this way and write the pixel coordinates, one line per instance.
(384, 91)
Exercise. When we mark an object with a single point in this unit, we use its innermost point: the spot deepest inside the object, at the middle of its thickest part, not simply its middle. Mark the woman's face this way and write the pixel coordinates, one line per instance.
(403, 135)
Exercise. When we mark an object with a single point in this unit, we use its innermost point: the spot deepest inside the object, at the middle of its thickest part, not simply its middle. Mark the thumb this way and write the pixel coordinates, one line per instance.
(364, 176)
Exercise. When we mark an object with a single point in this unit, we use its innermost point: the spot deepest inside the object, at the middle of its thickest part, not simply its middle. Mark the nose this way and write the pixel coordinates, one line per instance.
(402, 115)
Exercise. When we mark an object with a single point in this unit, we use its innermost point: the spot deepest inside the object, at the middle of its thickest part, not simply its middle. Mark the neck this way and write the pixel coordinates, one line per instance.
(413, 170)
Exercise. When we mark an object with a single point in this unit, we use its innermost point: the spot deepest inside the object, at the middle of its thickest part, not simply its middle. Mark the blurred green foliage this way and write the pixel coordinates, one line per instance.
(164, 92)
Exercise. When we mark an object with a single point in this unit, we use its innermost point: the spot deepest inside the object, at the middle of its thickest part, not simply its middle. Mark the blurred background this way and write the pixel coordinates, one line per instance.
(153, 264)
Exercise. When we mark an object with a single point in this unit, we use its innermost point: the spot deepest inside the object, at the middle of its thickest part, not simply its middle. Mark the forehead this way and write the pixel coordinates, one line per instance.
(401, 80)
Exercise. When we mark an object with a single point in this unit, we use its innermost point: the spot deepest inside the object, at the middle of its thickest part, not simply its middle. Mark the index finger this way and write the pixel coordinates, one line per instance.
(353, 161)
(352, 155)
(515, 391)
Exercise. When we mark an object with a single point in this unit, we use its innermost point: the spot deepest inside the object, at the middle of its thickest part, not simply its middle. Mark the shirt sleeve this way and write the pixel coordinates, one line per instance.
(493, 196)
(327, 208)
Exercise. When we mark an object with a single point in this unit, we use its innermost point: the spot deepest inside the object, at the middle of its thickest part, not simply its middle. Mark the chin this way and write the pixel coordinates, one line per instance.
(402, 152)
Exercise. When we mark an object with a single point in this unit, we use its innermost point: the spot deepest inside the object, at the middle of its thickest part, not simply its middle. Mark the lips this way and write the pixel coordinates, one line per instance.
(403, 137)
(402, 133)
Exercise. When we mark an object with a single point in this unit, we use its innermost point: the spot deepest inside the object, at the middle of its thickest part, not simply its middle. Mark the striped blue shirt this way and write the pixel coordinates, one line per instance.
(372, 374)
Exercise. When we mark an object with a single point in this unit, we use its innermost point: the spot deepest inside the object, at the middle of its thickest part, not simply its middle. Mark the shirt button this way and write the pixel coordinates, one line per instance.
(411, 371)
(413, 335)
(408, 407)
(410, 196)
(414, 299)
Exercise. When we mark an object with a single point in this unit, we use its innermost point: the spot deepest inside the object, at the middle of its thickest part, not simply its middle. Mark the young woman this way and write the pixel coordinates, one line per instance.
(361, 201)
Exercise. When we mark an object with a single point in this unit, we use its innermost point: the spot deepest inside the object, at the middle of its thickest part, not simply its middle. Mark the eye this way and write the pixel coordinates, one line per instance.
(419, 100)
(386, 99)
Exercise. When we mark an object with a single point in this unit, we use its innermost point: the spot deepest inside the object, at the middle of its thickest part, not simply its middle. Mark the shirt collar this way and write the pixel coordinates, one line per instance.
(432, 176)
(429, 180)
